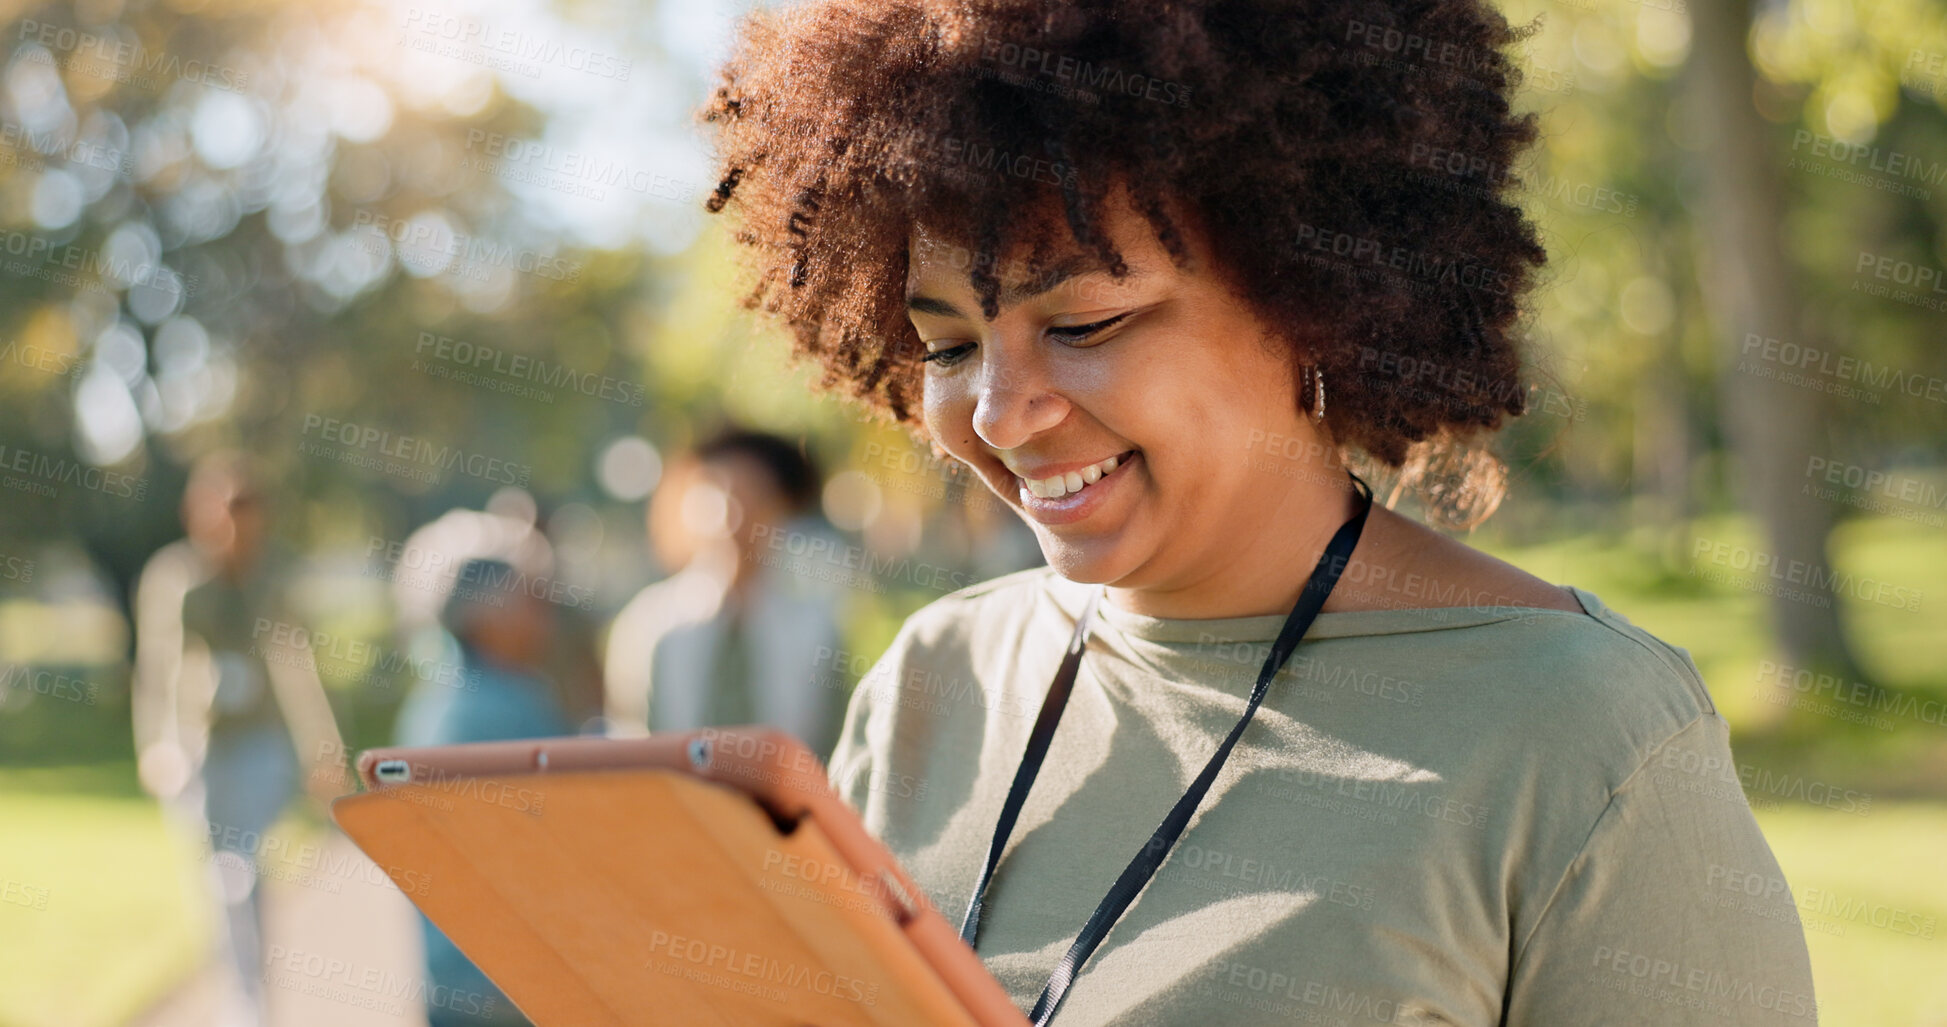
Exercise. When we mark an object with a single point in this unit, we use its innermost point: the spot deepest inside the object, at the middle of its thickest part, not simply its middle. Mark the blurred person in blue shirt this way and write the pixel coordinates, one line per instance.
(498, 634)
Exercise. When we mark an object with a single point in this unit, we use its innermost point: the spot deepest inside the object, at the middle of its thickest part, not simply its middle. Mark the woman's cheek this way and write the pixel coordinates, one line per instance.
(945, 412)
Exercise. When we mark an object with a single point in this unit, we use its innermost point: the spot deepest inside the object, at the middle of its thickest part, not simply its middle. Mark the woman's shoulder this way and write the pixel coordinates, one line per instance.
(1578, 642)
(1402, 563)
(967, 644)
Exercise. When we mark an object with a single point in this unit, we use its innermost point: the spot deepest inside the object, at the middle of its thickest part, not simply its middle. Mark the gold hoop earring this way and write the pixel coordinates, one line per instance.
(1315, 383)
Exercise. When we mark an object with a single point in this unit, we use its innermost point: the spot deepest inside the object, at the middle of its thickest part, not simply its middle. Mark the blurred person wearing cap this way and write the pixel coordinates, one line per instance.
(500, 634)
(225, 697)
(737, 635)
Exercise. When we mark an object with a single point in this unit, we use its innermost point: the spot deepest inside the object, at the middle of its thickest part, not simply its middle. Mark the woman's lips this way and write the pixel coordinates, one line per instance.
(1076, 505)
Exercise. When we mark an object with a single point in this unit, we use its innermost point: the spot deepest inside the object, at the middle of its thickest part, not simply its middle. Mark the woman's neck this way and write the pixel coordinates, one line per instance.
(1266, 574)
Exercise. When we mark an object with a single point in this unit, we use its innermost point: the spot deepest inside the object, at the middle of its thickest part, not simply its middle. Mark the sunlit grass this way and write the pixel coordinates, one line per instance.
(1884, 867)
(1902, 646)
(121, 924)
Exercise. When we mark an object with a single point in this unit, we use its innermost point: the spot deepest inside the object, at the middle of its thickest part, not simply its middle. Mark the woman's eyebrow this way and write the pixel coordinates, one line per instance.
(1062, 270)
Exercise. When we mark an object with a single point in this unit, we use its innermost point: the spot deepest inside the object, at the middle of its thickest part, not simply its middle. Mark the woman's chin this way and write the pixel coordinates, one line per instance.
(1089, 563)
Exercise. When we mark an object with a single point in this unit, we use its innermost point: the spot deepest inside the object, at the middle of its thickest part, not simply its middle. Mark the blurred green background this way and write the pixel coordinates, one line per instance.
(223, 222)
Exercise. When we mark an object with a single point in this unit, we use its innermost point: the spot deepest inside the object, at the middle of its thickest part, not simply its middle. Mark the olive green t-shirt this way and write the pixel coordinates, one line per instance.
(1476, 815)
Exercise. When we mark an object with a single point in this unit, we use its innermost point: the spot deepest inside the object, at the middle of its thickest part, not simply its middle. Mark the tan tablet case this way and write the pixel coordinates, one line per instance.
(608, 882)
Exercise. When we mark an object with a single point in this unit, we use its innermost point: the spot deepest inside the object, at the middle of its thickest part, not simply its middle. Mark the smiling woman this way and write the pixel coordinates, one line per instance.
(1154, 272)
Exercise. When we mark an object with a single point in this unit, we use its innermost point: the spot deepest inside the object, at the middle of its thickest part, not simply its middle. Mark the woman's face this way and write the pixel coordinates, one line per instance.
(1162, 371)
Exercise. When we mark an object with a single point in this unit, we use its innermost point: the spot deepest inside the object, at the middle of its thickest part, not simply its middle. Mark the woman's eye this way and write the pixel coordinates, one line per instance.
(948, 357)
(1075, 332)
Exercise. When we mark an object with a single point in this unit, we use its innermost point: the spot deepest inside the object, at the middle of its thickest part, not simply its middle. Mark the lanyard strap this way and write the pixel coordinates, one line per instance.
(1140, 869)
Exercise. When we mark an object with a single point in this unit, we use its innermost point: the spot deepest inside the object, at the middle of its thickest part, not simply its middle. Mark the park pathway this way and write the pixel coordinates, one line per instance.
(342, 950)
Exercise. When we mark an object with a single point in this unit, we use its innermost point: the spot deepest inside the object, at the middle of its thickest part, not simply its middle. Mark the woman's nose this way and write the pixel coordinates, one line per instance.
(1014, 403)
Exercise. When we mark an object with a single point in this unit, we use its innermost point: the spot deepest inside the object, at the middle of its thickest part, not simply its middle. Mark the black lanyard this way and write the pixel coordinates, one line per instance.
(1150, 856)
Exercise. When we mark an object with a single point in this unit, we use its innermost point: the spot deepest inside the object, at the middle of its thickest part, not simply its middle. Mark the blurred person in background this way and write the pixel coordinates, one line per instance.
(737, 635)
(424, 570)
(501, 634)
(223, 701)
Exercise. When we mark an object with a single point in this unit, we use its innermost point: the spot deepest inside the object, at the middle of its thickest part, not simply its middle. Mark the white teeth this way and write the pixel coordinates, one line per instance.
(1073, 481)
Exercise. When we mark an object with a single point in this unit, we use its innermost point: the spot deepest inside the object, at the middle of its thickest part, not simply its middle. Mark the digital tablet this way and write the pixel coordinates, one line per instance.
(687, 878)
